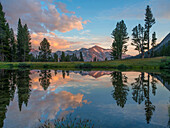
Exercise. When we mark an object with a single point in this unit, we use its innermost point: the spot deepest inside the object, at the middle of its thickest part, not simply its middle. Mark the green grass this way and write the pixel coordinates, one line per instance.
(128, 64)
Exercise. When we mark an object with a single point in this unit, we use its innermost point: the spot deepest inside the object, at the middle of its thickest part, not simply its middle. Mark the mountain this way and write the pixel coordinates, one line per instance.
(34, 52)
(88, 54)
(95, 74)
(164, 42)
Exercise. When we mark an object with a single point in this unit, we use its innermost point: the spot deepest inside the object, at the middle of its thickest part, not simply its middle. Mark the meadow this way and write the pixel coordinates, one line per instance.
(156, 63)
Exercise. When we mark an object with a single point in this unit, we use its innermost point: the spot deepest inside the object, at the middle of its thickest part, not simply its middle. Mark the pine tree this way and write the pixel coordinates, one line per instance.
(23, 42)
(81, 56)
(20, 42)
(138, 38)
(95, 59)
(153, 44)
(4, 36)
(27, 43)
(45, 51)
(63, 57)
(6, 46)
(120, 37)
(12, 44)
(67, 58)
(149, 21)
(55, 57)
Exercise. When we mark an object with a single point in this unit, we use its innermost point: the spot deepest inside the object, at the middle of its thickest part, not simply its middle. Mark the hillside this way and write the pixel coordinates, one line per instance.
(158, 48)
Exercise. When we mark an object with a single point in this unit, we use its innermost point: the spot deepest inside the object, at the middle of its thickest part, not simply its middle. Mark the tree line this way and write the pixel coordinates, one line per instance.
(140, 37)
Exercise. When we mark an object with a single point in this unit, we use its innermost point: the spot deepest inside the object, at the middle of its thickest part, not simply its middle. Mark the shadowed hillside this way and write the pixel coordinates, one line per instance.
(158, 48)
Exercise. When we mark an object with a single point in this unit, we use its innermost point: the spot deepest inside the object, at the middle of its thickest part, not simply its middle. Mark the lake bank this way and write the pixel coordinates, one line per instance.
(154, 64)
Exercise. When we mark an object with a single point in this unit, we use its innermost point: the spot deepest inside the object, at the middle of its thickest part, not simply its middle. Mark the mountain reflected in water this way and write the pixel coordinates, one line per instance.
(128, 98)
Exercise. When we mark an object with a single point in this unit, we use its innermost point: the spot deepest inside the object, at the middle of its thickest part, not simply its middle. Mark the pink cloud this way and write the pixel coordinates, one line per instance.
(41, 17)
(62, 7)
(86, 21)
(56, 43)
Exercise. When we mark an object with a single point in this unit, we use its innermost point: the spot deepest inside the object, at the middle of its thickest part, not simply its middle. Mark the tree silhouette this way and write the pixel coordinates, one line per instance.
(7, 90)
(120, 38)
(121, 89)
(149, 22)
(23, 85)
(141, 92)
(44, 79)
(45, 51)
(64, 74)
(67, 73)
(138, 90)
(153, 83)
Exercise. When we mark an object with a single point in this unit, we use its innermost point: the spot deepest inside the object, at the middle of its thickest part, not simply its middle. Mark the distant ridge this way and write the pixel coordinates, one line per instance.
(88, 53)
(163, 42)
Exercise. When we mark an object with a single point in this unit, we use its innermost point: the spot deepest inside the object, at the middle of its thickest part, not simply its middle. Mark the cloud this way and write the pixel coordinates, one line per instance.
(86, 21)
(62, 7)
(86, 32)
(41, 17)
(78, 7)
(56, 42)
(43, 105)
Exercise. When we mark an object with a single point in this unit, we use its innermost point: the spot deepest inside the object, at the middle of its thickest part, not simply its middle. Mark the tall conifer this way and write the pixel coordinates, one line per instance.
(149, 22)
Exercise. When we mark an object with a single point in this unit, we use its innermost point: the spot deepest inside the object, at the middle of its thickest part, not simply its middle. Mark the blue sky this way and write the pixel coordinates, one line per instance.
(72, 24)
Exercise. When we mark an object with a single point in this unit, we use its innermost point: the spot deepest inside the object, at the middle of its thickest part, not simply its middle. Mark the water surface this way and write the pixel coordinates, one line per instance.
(109, 99)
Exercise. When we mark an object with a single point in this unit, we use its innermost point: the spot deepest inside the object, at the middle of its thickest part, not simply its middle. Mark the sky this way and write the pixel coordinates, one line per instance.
(73, 24)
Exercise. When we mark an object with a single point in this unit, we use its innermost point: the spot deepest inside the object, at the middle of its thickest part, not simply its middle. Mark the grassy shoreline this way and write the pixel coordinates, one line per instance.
(128, 64)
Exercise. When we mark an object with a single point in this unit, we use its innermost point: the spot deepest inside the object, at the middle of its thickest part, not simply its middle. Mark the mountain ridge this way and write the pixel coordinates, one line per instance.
(88, 53)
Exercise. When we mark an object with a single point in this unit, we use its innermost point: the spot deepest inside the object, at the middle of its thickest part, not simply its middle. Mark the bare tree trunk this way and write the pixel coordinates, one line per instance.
(143, 55)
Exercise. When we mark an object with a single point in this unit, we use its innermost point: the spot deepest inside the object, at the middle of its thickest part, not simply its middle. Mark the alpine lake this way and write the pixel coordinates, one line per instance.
(108, 99)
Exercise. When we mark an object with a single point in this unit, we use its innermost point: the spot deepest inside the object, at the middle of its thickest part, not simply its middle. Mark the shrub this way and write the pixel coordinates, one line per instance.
(122, 66)
(45, 66)
(163, 60)
(165, 65)
(67, 122)
(10, 65)
(24, 65)
(83, 65)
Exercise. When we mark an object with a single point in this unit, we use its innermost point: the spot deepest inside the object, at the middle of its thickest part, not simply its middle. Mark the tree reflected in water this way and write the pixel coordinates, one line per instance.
(23, 85)
(120, 91)
(141, 92)
(45, 77)
(7, 91)
(64, 74)
(9, 80)
(138, 89)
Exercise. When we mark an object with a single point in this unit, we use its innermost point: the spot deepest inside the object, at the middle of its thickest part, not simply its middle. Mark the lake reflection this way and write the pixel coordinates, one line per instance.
(109, 99)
